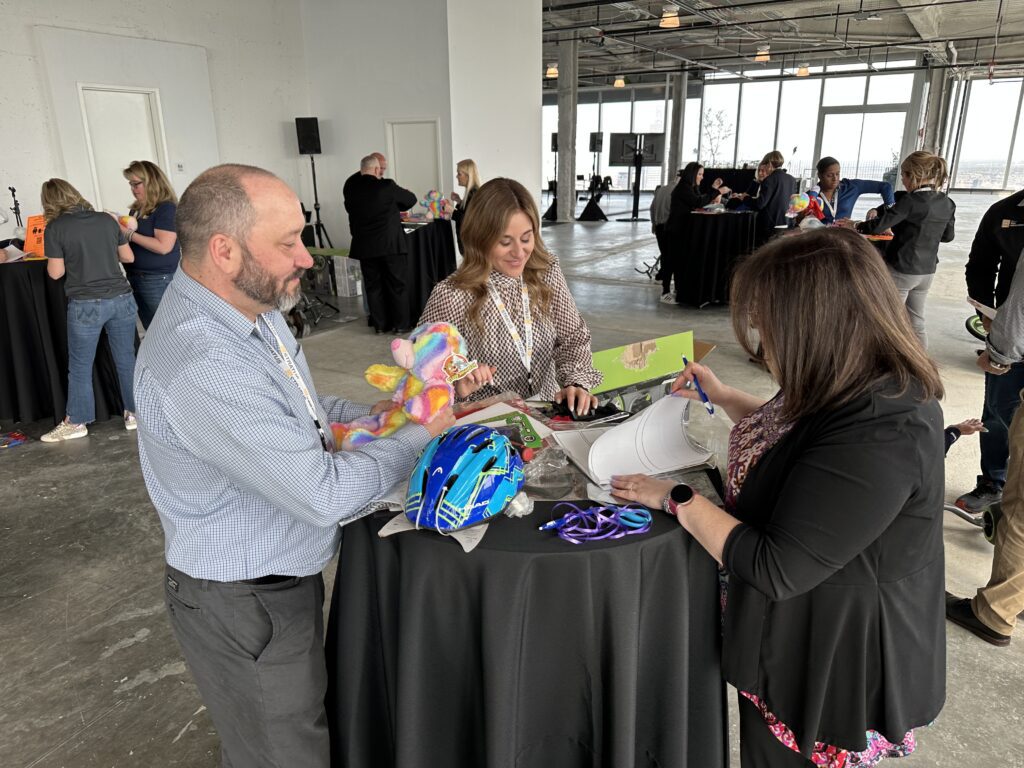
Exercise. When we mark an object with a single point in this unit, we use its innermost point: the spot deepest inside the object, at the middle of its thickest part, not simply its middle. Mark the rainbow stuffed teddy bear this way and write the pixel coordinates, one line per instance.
(429, 362)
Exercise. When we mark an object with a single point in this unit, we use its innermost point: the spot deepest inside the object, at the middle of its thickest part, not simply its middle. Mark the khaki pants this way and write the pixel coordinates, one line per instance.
(998, 604)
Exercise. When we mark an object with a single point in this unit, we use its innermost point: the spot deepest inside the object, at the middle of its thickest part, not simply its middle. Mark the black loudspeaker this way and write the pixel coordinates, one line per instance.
(596, 142)
(554, 142)
(307, 131)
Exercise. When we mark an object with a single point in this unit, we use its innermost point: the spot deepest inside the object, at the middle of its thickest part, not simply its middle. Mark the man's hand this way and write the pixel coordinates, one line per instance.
(380, 406)
(443, 420)
(970, 426)
(989, 367)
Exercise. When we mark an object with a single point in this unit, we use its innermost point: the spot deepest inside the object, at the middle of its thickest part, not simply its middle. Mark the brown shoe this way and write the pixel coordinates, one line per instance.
(960, 612)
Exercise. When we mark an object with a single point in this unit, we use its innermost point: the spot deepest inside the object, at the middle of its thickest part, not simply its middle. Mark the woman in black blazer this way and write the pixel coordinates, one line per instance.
(921, 218)
(686, 197)
(469, 179)
(832, 528)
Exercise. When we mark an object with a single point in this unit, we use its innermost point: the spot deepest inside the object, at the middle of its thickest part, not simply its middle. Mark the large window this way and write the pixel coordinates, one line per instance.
(988, 133)
(757, 122)
(649, 117)
(587, 116)
(691, 133)
(798, 121)
(718, 125)
(615, 118)
(549, 125)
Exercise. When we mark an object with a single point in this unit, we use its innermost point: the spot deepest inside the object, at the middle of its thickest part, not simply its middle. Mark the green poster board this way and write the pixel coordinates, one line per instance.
(643, 361)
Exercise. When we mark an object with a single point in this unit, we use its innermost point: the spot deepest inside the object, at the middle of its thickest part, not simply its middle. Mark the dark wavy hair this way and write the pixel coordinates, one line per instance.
(830, 320)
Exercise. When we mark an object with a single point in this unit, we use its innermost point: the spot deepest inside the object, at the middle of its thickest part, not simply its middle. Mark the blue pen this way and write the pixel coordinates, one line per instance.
(703, 397)
(554, 524)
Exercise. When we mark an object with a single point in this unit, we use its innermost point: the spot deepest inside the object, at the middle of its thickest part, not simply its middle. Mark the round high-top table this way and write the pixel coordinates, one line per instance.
(528, 651)
(34, 349)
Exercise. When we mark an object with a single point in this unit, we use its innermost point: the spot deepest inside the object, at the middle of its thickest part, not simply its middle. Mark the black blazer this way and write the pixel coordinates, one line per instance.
(459, 214)
(995, 251)
(771, 203)
(919, 222)
(835, 613)
(373, 207)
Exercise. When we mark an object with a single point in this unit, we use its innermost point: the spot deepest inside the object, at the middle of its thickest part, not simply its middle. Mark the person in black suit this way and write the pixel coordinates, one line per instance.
(378, 242)
(772, 200)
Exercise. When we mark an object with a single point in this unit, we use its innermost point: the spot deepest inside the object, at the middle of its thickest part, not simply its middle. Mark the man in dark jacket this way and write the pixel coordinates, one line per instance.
(995, 609)
(772, 200)
(378, 242)
(990, 270)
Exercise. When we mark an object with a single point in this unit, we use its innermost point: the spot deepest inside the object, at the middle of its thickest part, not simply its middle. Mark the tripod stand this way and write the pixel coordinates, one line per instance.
(313, 305)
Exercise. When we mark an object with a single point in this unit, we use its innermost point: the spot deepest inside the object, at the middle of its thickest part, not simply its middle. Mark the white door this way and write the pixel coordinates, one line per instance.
(120, 126)
(414, 149)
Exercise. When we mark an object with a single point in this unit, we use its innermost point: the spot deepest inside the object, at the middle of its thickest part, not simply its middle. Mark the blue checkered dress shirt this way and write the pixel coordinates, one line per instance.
(231, 457)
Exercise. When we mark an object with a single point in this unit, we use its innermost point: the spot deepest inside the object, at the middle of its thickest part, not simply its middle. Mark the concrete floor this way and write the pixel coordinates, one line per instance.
(91, 675)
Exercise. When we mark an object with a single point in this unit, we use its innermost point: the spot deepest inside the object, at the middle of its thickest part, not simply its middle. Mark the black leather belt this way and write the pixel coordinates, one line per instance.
(263, 580)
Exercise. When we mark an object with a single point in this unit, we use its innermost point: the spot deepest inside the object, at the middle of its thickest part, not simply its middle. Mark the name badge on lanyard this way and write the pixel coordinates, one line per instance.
(524, 348)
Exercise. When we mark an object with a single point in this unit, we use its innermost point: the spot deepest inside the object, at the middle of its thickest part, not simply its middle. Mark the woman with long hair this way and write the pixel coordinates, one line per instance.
(831, 532)
(510, 301)
(85, 248)
(468, 178)
(155, 241)
(921, 218)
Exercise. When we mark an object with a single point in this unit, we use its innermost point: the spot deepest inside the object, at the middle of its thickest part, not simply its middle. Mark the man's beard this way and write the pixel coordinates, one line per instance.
(260, 286)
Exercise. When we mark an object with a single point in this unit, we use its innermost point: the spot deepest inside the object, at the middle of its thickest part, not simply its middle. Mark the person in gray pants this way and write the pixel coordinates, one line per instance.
(239, 461)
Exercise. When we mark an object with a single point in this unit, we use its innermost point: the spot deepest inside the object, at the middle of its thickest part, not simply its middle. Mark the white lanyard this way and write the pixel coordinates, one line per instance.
(829, 205)
(284, 360)
(525, 351)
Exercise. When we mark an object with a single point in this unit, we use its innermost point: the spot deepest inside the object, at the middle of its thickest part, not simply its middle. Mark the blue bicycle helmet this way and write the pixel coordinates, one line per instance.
(465, 476)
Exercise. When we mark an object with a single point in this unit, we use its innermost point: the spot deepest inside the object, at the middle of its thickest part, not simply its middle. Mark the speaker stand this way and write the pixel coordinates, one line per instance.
(320, 232)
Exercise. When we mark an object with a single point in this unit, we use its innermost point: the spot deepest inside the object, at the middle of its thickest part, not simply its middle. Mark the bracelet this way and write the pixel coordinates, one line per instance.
(131, 234)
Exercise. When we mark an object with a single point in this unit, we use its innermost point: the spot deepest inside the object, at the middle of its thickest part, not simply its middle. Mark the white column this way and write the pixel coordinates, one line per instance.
(680, 83)
(567, 99)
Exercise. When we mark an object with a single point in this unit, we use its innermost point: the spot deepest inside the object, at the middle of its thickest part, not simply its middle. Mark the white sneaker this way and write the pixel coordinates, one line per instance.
(65, 431)
(668, 298)
(129, 421)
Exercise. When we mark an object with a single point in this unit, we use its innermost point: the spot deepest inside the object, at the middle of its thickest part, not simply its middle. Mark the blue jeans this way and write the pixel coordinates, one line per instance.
(149, 288)
(86, 318)
(1002, 396)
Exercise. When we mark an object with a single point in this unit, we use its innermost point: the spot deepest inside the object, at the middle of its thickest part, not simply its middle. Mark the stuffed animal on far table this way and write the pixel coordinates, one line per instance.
(429, 362)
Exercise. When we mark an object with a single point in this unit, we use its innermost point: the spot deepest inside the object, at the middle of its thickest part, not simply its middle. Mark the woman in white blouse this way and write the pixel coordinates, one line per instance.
(510, 301)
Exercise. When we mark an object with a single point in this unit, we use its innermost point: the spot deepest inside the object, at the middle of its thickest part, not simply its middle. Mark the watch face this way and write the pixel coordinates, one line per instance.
(682, 494)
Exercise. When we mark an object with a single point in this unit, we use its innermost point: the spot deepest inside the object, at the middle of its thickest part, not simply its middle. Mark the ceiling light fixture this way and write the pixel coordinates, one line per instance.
(620, 82)
(552, 71)
(763, 52)
(803, 71)
(669, 17)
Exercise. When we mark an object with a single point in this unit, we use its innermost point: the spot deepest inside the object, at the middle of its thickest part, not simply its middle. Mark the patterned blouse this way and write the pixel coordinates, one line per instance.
(749, 440)
(561, 339)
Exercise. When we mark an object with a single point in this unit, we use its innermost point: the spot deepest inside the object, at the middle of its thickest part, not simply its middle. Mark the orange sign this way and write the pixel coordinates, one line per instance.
(34, 226)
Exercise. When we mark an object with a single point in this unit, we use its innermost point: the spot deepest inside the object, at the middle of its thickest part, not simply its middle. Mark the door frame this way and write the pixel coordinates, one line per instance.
(153, 97)
(862, 109)
(389, 142)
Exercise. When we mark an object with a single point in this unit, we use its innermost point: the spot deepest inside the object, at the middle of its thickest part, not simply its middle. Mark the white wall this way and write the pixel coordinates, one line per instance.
(370, 62)
(494, 55)
(256, 66)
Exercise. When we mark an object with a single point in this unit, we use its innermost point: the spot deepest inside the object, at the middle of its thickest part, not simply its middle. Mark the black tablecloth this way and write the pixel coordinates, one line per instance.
(526, 652)
(34, 349)
(431, 260)
(708, 246)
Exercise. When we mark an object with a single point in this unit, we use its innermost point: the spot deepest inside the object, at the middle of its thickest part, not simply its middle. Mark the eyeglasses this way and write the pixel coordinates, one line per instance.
(134, 184)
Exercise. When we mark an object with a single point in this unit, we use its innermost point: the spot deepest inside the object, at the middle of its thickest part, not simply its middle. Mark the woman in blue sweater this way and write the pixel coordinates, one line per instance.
(837, 195)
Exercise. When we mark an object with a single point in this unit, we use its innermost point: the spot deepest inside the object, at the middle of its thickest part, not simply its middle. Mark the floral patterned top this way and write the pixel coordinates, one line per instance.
(749, 440)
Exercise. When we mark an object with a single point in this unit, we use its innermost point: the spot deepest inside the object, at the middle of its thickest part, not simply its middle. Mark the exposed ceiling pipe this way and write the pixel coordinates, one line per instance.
(655, 30)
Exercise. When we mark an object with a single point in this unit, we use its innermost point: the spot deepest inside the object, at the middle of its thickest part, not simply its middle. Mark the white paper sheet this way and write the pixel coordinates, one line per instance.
(12, 254)
(987, 311)
(652, 442)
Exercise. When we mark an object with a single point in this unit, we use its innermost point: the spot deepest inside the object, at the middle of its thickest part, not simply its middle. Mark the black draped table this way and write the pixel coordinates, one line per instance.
(708, 246)
(431, 260)
(527, 652)
(34, 349)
